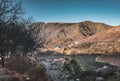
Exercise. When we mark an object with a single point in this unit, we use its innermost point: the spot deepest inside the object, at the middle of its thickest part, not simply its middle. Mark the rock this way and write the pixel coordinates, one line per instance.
(11, 78)
(3, 71)
(105, 71)
(26, 77)
(6, 78)
(77, 79)
(7, 75)
(59, 61)
(100, 79)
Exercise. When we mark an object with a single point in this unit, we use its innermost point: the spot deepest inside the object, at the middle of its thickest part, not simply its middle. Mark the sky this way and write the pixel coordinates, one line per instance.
(105, 11)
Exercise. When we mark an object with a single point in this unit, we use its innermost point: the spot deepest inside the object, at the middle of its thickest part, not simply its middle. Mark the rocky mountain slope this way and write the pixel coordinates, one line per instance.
(83, 37)
(105, 42)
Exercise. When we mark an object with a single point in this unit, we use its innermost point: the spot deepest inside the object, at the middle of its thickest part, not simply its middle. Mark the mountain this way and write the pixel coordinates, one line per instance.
(112, 34)
(73, 37)
(107, 41)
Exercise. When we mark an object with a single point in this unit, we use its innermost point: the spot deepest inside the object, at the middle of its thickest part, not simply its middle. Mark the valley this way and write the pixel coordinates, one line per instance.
(59, 40)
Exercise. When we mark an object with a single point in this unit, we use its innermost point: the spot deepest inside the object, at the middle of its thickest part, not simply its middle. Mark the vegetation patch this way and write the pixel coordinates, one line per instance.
(27, 67)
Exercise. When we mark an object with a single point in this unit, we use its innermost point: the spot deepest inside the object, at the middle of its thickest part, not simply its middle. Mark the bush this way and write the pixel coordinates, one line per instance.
(38, 74)
(88, 76)
(23, 65)
(73, 69)
(20, 64)
(114, 78)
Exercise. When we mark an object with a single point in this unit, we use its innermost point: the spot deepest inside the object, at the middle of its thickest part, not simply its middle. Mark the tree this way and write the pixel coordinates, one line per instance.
(13, 33)
(39, 34)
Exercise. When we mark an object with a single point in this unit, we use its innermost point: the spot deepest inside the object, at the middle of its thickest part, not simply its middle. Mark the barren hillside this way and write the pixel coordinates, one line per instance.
(83, 37)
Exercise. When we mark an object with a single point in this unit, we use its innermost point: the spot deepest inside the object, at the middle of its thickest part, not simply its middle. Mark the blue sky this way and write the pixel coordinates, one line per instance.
(107, 11)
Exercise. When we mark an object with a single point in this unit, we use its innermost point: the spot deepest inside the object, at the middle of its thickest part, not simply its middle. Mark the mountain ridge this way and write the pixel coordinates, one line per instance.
(59, 36)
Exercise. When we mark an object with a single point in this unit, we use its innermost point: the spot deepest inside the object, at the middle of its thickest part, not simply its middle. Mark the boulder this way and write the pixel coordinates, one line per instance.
(59, 61)
(6, 78)
(3, 71)
(100, 79)
(105, 71)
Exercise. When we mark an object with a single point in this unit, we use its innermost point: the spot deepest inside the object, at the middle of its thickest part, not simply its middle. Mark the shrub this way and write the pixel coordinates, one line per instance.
(19, 64)
(72, 69)
(114, 78)
(38, 74)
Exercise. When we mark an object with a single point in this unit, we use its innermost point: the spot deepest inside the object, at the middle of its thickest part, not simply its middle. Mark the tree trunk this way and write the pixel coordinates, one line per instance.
(2, 61)
(2, 58)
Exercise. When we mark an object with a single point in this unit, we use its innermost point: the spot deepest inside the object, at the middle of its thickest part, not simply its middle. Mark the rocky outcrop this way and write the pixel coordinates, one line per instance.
(110, 59)
(105, 71)
(89, 28)
(100, 79)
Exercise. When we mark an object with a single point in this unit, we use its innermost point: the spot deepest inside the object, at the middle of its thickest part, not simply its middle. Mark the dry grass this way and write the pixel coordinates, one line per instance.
(25, 66)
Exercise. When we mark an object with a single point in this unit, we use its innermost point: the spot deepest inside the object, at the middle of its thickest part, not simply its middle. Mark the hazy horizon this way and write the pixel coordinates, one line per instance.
(73, 11)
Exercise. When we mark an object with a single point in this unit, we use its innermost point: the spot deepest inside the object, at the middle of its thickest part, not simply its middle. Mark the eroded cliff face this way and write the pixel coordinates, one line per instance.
(70, 38)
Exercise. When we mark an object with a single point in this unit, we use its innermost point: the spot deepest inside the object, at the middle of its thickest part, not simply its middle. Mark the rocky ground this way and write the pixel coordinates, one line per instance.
(23, 69)
(53, 68)
(58, 68)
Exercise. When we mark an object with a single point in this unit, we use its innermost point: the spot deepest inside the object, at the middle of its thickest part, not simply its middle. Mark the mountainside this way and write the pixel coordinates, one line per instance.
(83, 37)
(112, 34)
(105, 42)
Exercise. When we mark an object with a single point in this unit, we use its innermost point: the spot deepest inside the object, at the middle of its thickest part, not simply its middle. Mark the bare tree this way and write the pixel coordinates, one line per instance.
(13, 34)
